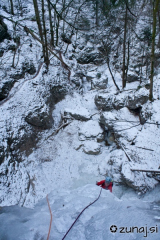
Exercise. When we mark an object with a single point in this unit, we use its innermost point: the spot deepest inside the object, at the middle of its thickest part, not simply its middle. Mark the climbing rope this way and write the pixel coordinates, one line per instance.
(50, 219)
(80, 214)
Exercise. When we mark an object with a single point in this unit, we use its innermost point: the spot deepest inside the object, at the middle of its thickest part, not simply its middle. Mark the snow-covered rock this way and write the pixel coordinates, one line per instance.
(90, 129)
(138, 99)
(132, 100)
(104, 101)
(91, 147)
(99, 83)
(87, 57)
(132, 78)
(79, 113)
(40, 116)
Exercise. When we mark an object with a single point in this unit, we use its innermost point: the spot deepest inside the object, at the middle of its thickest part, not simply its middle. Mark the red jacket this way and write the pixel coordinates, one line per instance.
(102, 184)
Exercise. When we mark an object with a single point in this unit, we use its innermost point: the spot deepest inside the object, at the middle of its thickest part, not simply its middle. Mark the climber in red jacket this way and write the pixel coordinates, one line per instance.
(106, 184)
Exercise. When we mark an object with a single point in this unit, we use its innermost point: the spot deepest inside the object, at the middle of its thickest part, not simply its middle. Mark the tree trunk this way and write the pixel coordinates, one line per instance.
(97, 20)
(57, 30)
(124, 50)
(12, 9)
(112, 75)
(39, 24)
(155, 9)
(46, 59)
(51, 25)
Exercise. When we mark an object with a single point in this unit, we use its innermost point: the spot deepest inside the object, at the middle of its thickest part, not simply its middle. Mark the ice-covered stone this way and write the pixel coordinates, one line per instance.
(137, 99)
(79, 113)
(40, 116)
(91, 147)
(90, 129)
(131, 100)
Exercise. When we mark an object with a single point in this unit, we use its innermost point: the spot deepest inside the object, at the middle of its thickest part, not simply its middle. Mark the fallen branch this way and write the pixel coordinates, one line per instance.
(146, 149)
(145, 170)
(130, 160)
(63, 125)
(121, 130)
(57, 130)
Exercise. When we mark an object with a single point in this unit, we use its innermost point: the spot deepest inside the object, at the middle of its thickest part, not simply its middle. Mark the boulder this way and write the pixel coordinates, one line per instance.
(137, 99)
(77, 78)
(116, 125)
(107, 120)
(80, 113)
(40, 116)
(104, 101)
(92, 57)
(132, 78)
(28, 67)
(90, 130)
(145, 114)
(134, 100)
(111, 165)
(136, 180)
(91, 147)
(57, 93)
(100, 83)
(5, 89)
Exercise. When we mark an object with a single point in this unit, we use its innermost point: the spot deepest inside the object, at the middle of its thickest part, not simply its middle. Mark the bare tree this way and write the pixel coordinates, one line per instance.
(46, 58)
(155, 10)
(124, 50)
(40, 28)
(12, 8)
(51, 24)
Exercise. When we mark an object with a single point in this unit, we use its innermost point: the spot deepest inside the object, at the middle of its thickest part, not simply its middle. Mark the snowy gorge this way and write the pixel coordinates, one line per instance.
(58, 136)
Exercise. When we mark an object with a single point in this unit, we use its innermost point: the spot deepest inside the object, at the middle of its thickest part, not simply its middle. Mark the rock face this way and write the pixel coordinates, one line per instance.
(99, 83)
(6, 85)
(57, 93)
(5, 88)
(33, 113)
(138, 99)
(108, 102)
(40, 117)
(81, 113)
(104, 102)
(89, 55)
(28, 67)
